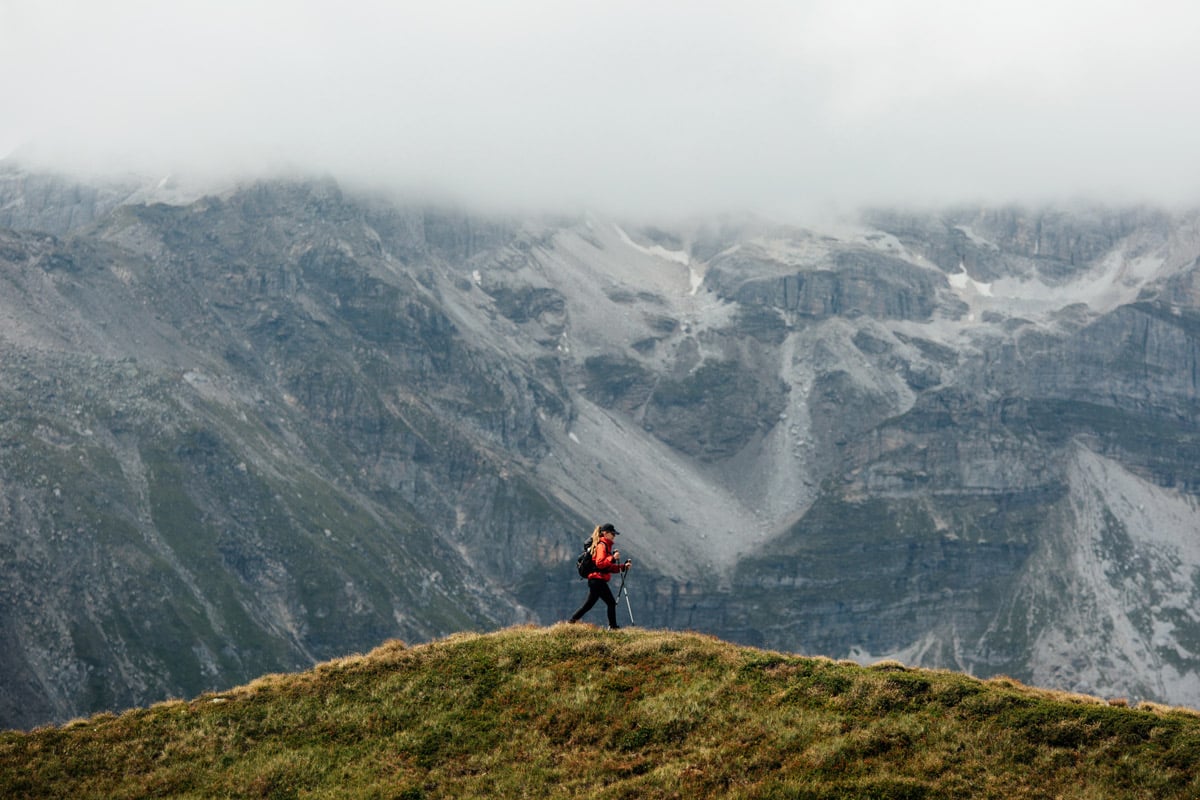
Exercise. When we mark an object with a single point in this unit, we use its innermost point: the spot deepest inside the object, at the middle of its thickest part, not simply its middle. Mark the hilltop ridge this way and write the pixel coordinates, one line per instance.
(574, 711)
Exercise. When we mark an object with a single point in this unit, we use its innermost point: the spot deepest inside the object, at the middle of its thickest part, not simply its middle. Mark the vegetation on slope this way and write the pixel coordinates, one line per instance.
(577, 712)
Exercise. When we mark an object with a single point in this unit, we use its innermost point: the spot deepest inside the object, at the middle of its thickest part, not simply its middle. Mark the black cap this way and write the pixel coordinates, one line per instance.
(608, 528)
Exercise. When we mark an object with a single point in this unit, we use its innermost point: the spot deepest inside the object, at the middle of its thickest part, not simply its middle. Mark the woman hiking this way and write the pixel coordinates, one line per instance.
(607, 561)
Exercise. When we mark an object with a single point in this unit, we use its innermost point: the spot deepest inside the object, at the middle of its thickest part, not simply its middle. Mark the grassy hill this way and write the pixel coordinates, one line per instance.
(577, 712)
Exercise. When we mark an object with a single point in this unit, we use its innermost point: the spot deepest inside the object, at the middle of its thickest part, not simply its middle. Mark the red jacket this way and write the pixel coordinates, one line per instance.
(605, 563)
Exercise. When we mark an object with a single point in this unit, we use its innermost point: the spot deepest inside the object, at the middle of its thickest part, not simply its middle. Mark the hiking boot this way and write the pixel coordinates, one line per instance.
(614, 627)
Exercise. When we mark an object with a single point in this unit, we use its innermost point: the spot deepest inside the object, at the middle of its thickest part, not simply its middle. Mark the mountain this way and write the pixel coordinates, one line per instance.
(245, 430)
(580, 712)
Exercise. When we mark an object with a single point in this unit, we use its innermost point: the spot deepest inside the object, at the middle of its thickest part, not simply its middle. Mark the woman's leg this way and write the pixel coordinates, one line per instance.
(607, 596)
(595, 585)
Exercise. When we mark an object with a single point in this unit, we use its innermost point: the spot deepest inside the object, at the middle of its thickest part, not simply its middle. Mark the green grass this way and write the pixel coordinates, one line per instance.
(576, 712)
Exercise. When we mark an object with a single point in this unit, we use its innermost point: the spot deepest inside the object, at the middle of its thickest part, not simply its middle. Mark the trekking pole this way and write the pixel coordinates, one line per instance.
(625, 592)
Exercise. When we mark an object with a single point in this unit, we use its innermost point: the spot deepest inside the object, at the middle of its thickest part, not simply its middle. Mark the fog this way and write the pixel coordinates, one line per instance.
(669, 107)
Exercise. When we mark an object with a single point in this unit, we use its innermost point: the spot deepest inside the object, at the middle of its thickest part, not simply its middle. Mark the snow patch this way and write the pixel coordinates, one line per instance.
(658, 251)
(1113, 281)
(967, 286)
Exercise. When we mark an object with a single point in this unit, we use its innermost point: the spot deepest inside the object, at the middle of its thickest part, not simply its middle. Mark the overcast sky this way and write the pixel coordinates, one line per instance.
(668, 107)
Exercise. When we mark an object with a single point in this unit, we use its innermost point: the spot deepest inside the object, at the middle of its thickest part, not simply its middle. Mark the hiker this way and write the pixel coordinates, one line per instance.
(607, 560)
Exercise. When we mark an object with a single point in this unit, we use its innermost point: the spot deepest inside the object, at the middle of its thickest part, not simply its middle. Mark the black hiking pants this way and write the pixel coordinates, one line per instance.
(598, 590)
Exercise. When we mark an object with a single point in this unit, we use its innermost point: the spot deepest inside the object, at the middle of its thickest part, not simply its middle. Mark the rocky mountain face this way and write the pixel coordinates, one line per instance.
(244, 431)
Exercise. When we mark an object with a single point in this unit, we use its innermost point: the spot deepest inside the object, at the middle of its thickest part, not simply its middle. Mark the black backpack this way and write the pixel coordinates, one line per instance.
(584, 564)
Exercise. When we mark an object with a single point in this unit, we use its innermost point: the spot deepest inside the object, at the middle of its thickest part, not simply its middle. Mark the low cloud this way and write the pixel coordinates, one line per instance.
(662, 108)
